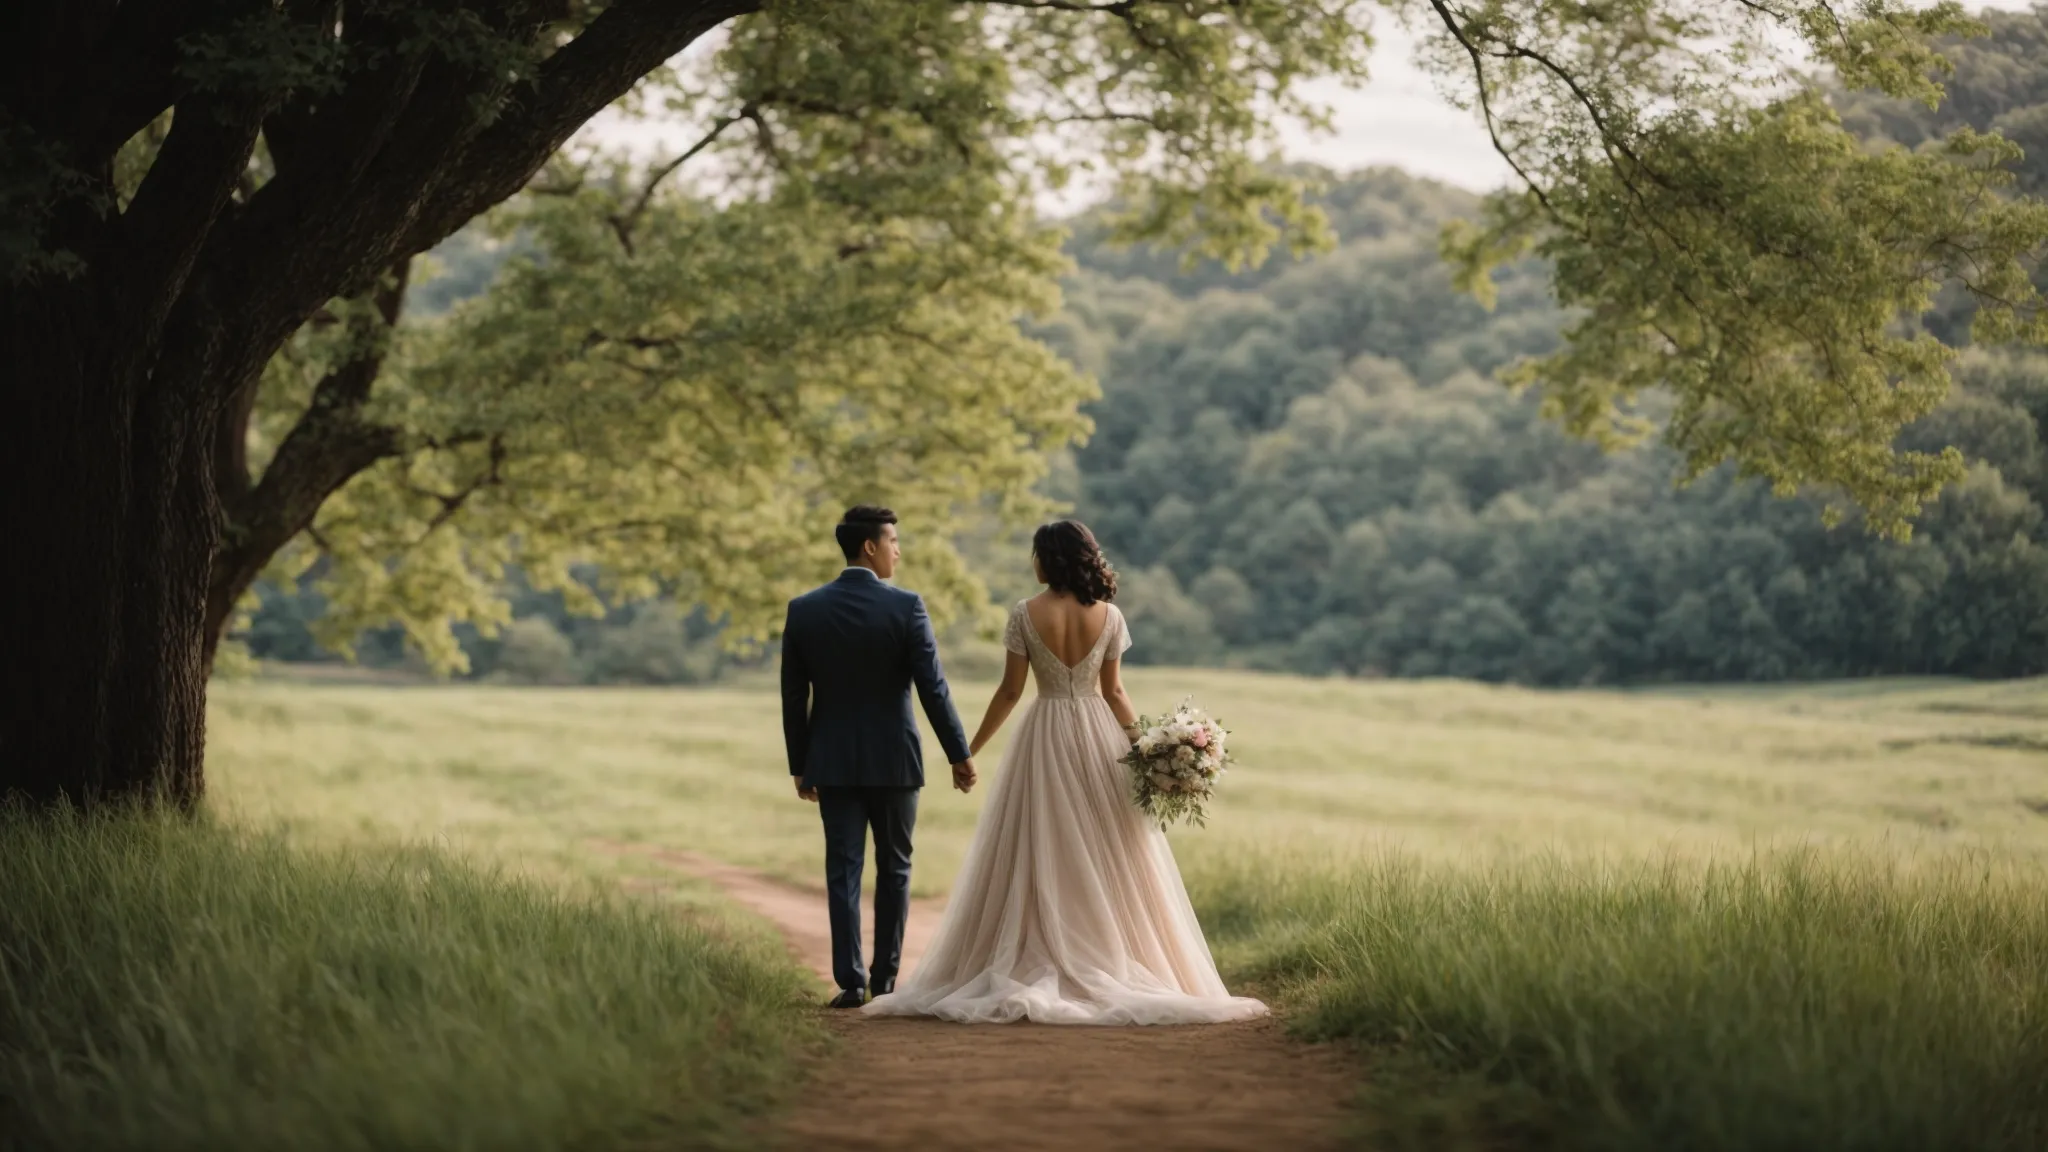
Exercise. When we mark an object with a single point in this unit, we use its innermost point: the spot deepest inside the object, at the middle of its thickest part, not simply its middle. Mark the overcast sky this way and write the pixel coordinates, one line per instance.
(1400, 120)
(1397, 119)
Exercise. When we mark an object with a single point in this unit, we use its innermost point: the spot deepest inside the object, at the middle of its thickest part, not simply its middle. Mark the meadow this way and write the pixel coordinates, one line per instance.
(1716, 919)
(1453, 773)
(1694, 919)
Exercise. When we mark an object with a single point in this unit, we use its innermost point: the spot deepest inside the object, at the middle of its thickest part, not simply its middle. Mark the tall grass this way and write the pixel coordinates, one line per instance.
(169, 985)
(1801, 1001)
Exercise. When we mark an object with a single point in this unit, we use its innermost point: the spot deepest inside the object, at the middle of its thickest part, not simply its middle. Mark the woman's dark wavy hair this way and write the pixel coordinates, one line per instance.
(1073, 562)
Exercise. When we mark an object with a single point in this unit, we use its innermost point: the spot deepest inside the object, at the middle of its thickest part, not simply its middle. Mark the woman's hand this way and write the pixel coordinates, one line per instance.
(1007, 694)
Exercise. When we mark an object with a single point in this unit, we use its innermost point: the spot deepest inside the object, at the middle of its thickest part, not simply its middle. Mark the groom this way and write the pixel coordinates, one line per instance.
(850, 652)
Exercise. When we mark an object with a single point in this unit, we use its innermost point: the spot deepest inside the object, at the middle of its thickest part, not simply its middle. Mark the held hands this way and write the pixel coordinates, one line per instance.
(804, 792)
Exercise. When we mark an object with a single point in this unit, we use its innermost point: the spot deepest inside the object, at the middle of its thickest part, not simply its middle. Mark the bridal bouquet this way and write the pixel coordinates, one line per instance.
(1175, 764)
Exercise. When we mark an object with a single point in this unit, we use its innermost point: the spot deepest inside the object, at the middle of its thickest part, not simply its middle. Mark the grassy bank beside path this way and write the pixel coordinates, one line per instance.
(175, 985)
(1806, 1001)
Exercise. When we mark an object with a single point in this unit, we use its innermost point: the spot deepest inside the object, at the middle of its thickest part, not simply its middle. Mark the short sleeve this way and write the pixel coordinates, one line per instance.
(1013, 632)
(1123, 632)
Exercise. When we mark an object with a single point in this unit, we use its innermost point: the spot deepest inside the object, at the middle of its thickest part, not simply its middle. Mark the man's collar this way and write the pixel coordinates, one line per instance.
(858, 572)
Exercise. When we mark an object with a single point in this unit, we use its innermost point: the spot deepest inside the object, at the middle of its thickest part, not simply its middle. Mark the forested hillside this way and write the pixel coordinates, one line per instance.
(1307, 466)
(1310, 468)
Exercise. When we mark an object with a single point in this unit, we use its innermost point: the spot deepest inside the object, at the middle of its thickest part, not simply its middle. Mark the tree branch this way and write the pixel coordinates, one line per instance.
(327, 140)
(174, 212)
(628, 40)
(1120, 8)
(444, 161)
(624, 223)
(1486, 111)
(451, 503)
(329, 445)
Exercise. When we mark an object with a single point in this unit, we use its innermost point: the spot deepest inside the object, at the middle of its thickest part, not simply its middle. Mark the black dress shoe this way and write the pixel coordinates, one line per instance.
(851, 998)
(882, 987)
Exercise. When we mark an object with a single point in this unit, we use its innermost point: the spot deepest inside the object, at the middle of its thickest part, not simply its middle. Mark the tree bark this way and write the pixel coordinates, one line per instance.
(112, 525)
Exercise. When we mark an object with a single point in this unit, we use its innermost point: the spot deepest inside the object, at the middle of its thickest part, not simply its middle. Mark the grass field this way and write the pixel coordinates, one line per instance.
(1695, 919)
(1449, 772)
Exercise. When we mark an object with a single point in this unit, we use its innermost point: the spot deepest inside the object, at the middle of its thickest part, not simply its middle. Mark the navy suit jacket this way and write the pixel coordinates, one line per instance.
(851, 651)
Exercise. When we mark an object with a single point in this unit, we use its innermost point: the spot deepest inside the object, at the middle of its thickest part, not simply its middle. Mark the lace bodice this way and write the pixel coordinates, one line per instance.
(1055, 678)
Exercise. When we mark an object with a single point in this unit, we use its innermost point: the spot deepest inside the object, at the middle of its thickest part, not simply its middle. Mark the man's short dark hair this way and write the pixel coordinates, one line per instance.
(862, 523)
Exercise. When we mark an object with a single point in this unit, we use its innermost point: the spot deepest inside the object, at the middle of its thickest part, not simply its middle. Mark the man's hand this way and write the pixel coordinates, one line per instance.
(963, 775)
(805, 793)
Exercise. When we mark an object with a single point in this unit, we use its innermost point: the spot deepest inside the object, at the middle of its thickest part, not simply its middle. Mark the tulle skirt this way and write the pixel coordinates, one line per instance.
(1069, 908)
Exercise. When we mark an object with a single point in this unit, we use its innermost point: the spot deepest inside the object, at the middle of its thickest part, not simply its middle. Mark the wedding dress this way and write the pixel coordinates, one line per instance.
(1069, 908)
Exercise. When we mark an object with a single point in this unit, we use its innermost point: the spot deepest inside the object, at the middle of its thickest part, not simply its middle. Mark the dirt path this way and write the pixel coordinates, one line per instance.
(939, 1087)
(799, 913)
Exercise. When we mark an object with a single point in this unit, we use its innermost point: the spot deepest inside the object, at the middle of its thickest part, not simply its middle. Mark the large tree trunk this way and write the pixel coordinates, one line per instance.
(112, 527)
(131, 364)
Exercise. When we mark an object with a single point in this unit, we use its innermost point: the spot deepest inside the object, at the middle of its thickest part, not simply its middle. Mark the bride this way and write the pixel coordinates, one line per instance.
(1069, 908)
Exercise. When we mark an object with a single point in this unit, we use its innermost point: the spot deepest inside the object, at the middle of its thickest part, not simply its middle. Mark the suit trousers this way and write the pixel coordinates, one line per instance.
(850, 813)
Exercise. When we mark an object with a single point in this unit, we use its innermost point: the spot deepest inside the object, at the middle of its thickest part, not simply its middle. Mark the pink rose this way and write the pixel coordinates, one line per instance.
(1200, 739)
